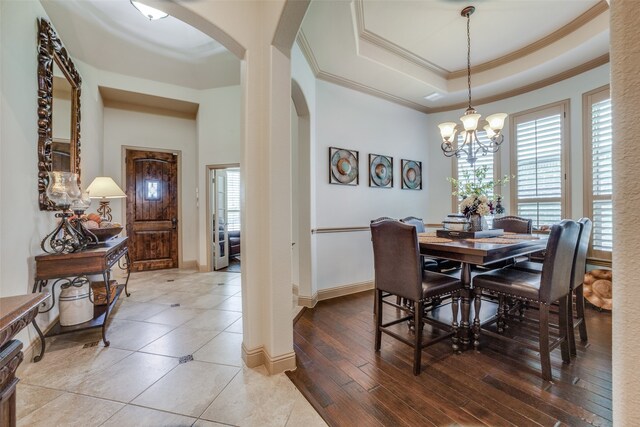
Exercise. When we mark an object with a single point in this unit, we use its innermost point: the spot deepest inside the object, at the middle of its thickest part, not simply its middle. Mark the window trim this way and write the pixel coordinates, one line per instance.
(588, 99)
(497, 173)
(565, 188)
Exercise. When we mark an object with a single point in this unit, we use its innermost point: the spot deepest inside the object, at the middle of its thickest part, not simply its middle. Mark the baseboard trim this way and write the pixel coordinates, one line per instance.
(340, 291)
(259, 356)
(308, 302)
(190, 264)
(203, 268)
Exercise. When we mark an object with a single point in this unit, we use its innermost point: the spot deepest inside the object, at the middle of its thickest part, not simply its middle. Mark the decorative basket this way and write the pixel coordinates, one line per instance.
(104, 234)
(99, 292)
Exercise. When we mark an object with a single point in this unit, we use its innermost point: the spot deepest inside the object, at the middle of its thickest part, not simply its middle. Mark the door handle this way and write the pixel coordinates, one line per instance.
(174, 223)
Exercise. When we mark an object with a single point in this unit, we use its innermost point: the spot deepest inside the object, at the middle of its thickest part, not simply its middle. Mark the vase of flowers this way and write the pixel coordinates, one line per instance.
(473, 190)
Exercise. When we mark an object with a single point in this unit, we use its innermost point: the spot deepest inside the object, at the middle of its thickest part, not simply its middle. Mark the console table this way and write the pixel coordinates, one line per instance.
(15, 314)
(65, 270)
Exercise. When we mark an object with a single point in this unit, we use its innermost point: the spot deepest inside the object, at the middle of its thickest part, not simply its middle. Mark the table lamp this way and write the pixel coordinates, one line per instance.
(105, 188)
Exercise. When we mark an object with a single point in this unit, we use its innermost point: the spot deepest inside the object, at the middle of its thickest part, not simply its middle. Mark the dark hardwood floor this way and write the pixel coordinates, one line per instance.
(350, 384)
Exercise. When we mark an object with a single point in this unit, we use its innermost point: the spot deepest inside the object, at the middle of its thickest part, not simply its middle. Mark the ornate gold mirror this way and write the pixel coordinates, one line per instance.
(58, 110)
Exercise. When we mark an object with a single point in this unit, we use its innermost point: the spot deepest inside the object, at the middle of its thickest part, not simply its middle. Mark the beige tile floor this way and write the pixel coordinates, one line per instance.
(138, 380)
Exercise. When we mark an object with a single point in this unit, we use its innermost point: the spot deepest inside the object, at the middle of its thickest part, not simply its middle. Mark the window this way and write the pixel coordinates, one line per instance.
(598, 182)
(460, 166)
(233, 199)
(538, 158)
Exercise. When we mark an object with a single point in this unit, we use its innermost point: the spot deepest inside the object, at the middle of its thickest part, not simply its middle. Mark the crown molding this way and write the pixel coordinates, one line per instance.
(350, 84)
(589, 65)
(588, 16)
(391, 47)
(305, 47)
(557, 35)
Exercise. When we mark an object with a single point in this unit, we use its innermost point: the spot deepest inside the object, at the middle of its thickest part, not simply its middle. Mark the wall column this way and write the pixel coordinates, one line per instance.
(625, 92)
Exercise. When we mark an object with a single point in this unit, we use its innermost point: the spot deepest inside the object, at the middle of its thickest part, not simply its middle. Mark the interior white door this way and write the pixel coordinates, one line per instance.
(220, 220)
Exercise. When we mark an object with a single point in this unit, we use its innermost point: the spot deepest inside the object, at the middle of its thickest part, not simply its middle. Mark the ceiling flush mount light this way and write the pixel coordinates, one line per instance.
(149, 12)
(470, 145)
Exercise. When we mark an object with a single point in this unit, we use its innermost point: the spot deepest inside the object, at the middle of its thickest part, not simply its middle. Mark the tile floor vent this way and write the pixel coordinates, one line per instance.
(175, 305)
(185, 359)
(170, 280)
(91, 344)
(220, 284)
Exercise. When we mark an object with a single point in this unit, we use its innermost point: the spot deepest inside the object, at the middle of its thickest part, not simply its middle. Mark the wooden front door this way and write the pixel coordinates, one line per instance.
(152, 209)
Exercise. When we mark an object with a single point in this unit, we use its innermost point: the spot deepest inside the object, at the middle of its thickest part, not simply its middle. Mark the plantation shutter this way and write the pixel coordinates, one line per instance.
(233, 199)
(600, 145)
(539, 183)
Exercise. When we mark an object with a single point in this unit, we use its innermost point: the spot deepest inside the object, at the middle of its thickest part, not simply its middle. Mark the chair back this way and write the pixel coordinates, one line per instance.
(416, 222)
(382, 218)
(514, 224)
(396, 259)
(580, 262)
(558, 262)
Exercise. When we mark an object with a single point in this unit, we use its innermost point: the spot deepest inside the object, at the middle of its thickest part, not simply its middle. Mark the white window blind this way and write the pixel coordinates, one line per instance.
(233, 199)
(599, 145)
(539, 183)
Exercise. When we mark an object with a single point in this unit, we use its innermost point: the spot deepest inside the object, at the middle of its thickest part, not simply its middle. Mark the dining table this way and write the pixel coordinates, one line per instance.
(477, 251)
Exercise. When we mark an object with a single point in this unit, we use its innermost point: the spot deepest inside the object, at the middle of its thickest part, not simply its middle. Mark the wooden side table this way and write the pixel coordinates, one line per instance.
(15, 314)
(65, 270)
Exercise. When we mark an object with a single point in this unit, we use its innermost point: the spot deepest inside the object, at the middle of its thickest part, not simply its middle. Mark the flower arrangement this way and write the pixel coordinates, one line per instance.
(474, 189)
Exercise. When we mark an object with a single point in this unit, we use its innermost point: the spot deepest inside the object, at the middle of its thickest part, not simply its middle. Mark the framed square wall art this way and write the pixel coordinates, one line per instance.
(380, 171)
(343, 166)
(411, 174)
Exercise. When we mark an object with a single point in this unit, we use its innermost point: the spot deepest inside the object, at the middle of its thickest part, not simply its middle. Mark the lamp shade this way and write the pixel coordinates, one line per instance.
(496, 121)
(447, 130)
(104, 187)
(470, 121)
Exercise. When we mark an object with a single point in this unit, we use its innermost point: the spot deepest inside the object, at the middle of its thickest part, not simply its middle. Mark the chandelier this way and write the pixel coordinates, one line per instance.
(470, 145)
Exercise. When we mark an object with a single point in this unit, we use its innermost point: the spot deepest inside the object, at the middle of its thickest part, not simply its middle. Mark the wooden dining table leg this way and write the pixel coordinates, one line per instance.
(466, 296)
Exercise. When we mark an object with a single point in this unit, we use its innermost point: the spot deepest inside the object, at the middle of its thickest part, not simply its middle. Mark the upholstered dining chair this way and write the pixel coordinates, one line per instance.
(398, 271)
(544, 289)
(575, 285)
(430, 264)
(510, 224)
(514, 224)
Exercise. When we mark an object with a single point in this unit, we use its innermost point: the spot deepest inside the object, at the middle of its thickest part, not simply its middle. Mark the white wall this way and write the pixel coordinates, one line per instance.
(304, 189)
(572, 89)
(23, 225)
(218, 143)
(295, 199)
(144, 130)
(352, 120)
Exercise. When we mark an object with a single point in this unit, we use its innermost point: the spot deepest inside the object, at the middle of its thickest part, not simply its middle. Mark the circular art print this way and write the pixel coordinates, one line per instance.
(344, 166)
(380, 171)
(411, 174)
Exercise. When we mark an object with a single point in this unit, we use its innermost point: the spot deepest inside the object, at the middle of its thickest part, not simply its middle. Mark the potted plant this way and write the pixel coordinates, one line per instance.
(473, 190)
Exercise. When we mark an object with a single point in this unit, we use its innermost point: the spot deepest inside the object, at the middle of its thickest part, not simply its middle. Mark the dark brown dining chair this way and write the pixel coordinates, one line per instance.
(398, 271)
(543, 289)
(430, 263)
(575, 285)
(427, 263)
(514, 224)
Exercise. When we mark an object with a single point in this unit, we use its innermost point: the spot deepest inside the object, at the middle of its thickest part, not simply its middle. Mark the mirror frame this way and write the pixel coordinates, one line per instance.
(50, 48)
